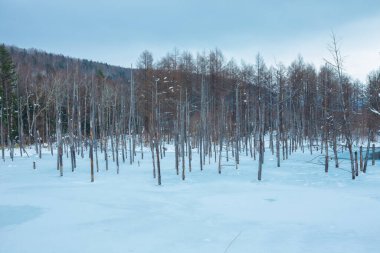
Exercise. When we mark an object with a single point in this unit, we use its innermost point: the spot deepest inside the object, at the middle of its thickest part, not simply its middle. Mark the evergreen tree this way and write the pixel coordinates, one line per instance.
(8, 98)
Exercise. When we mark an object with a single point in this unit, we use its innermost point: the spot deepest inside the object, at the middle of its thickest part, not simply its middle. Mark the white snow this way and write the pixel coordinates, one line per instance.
(296, 208)
(375, 111)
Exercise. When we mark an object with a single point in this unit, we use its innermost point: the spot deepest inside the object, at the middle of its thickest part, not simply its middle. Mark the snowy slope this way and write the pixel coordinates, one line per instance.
(296, 208)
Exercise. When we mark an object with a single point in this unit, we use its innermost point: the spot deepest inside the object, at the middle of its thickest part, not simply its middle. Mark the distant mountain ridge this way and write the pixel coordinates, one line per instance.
(44, 62)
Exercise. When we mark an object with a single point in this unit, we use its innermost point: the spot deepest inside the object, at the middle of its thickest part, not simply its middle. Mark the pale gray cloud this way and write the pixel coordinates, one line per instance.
(117, 31)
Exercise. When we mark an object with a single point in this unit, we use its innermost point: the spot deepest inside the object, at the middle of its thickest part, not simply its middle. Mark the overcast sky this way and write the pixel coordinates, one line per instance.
(116, 32)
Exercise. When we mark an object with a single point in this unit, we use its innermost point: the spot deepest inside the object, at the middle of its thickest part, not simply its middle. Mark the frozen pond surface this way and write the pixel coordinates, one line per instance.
(295, 208)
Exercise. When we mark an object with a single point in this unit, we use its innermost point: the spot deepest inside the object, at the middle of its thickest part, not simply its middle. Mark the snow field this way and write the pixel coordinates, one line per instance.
(295, 208)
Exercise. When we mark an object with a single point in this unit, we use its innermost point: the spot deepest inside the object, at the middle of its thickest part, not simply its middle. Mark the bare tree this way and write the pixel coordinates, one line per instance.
(343, 97)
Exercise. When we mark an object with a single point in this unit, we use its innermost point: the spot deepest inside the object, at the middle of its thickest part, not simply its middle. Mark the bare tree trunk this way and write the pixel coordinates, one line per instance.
(91, 155)
(367, 151)
(182, 119)
(105, 139)
(237, 126)
(131, 124)
(361, 157)
(79, 120)
(85, 120)
(356, 164)
(176, 149)
(188, 132)
(2, 135)
(95, 140)
(152, 149)
(158, 163)
(34, 123)
(373, 154)
(20, 127)
(59, 136)
(39, 138)
(326, 153)
(117, 148)
(92, 126)
(352, 160)
(111, 134)
(221, 136)
(71, 128)
(278, 129)
(157, 138)
(335, 151)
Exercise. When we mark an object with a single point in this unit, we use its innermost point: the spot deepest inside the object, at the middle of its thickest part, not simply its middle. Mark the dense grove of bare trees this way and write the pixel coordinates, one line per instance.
(203, 104)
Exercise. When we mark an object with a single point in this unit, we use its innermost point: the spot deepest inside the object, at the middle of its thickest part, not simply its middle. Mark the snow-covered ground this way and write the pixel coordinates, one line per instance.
(295, 208)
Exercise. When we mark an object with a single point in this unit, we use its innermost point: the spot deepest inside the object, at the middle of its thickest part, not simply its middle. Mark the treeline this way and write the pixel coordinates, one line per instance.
(198, 101)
